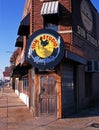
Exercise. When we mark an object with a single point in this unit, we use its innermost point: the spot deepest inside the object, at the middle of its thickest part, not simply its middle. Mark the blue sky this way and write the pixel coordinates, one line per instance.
(10, 16)
(96, 4)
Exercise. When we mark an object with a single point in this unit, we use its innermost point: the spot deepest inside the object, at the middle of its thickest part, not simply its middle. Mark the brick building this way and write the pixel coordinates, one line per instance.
(57, 69)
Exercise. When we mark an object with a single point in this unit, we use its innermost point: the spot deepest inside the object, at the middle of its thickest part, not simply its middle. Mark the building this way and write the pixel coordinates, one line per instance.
(57, 69)
(7, 73)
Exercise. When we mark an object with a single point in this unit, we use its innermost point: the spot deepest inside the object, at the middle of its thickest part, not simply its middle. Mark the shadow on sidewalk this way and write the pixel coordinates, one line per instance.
(87, 112)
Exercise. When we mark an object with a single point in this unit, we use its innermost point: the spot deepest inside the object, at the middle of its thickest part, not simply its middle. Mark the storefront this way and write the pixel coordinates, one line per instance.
(60, 47)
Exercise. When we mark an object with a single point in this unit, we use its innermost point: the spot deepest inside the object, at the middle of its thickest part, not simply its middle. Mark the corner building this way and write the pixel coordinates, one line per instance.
(57, 69)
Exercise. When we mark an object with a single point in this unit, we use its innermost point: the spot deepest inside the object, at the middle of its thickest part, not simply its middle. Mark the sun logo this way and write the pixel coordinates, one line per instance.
(44, 45)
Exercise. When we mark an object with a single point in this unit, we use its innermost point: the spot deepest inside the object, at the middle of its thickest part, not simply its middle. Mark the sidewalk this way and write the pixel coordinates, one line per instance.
(14, 115)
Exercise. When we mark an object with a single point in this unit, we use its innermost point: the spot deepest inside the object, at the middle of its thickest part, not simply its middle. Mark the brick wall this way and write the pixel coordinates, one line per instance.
(65, 23)
(37, 19)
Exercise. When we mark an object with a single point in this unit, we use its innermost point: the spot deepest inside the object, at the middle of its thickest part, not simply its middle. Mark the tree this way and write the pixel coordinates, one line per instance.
(14, 57)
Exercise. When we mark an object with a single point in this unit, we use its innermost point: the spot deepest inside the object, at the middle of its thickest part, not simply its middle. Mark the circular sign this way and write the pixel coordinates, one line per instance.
(86, 15)
(45, 49)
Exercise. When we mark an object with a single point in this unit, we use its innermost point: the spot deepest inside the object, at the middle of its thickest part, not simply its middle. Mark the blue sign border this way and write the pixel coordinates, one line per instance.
(48, 62)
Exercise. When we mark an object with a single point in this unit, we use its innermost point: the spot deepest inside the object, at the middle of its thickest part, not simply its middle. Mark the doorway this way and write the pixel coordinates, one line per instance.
(47, 95)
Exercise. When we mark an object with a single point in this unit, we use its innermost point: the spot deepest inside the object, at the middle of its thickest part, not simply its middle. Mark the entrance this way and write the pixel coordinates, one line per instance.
(68, 97)
(47, 96)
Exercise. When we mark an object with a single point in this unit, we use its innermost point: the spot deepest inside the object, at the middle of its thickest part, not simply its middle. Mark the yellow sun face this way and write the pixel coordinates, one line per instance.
(44, 45)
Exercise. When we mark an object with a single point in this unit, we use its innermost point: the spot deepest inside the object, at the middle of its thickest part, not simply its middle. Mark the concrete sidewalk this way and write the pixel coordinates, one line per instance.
(14, 115)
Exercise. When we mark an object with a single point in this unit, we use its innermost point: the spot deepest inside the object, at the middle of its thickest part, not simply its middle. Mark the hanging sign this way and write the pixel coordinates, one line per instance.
(45, 49)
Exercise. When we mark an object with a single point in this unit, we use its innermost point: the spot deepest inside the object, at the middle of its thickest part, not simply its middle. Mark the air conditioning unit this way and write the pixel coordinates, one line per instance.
(92, 66)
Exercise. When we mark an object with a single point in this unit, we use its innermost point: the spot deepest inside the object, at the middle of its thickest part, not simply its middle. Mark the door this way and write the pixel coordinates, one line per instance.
(47, 96)
(68, 98)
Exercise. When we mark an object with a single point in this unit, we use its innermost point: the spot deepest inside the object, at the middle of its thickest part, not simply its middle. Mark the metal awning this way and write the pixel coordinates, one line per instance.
(24, 26)
(50, 8)
(19, 42)
(20, 70)
(75, 58)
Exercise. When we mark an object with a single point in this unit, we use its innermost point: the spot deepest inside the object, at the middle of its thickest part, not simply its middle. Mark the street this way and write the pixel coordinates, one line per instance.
(14, 115)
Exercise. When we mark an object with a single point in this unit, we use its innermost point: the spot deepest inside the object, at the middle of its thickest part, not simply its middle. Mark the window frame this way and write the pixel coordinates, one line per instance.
(25, 85)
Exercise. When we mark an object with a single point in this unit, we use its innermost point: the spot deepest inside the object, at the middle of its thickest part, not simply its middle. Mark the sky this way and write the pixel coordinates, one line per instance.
(96, 4)
(10, 17)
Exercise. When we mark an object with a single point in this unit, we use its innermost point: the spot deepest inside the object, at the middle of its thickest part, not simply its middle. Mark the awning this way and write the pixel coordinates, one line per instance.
(19, 42)
(20, 70)
(24, 26)
(75, 58)
(50, 8)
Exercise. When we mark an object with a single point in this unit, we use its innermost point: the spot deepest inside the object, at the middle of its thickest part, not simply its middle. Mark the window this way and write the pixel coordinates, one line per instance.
(25, 84)
(51, 26)
(50, 12)
(51, 22)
